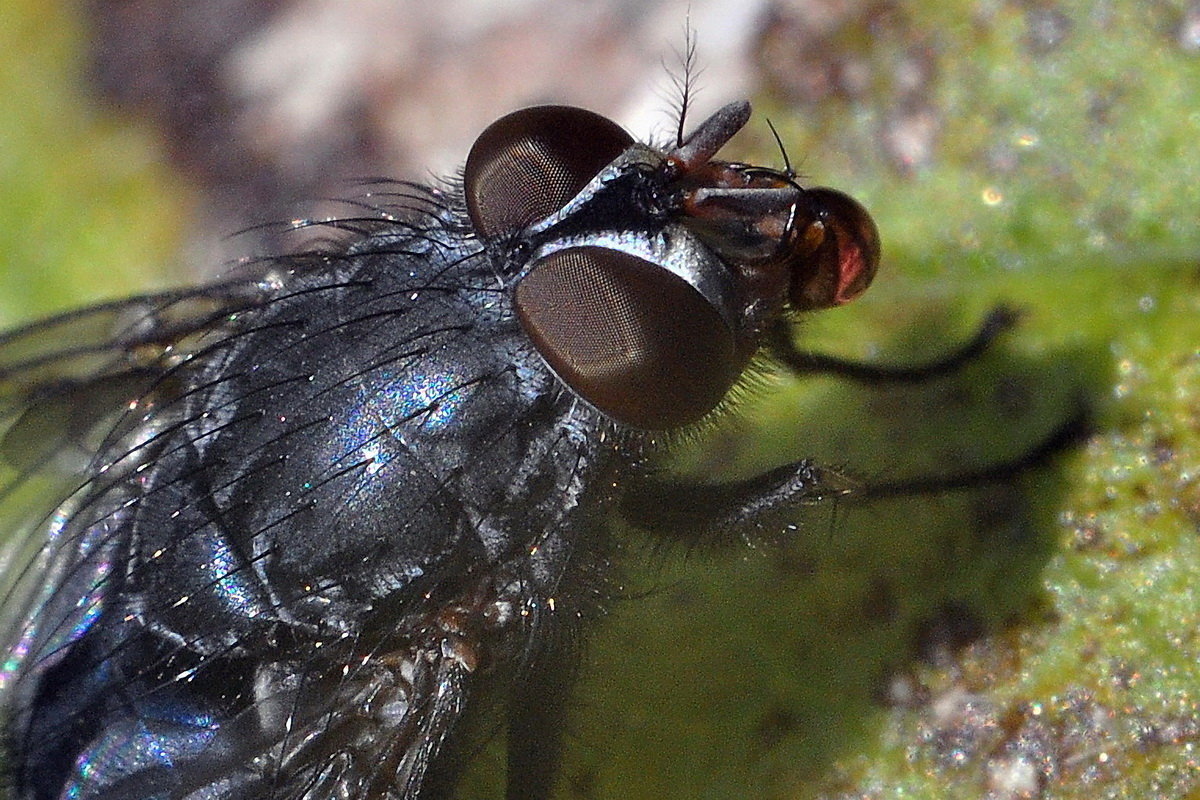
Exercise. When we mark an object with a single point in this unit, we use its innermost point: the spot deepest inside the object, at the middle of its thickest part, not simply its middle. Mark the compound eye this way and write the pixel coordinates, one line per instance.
(528, 164)
(844, 256)
(634, 340)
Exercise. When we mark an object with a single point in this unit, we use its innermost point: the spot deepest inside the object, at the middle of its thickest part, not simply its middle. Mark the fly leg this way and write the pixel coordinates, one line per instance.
(537, 713)
(779, 343)
(703, 514)
(699, 513)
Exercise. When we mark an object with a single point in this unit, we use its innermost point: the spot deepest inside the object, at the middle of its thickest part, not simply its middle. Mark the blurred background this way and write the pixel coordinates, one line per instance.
(1036, 639)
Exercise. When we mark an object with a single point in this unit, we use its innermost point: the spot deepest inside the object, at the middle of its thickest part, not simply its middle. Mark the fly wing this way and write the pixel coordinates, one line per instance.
(87, 402)
(61, 377)
(65, 379)
(314, 730)
(72, 387)
(384, 730)
(71, 383)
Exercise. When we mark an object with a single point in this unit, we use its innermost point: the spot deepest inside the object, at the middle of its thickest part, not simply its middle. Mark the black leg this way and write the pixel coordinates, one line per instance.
(702, 514)
(779, 343)
(537, 717)
(1069, 433)
(719, 515)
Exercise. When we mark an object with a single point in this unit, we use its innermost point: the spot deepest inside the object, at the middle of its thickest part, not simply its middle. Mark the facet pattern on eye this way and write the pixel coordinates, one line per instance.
(653, 365)
(527, 165)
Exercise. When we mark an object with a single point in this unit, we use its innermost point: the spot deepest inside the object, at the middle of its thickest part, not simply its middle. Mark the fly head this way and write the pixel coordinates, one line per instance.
(645, 278)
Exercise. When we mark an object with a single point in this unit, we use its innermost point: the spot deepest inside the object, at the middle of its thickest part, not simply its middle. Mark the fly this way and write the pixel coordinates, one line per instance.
(330, 522)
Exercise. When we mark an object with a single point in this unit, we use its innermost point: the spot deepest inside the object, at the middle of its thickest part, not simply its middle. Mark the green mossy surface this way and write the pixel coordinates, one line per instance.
(1039, 640)
(1063, 181)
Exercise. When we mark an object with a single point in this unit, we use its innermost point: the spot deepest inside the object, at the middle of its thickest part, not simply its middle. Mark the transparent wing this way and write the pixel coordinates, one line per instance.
(60, 377)
(66, 387)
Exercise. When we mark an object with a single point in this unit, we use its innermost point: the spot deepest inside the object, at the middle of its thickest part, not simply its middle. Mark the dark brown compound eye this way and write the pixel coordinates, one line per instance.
(635, 341)
(528, 164)
(843, 249)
